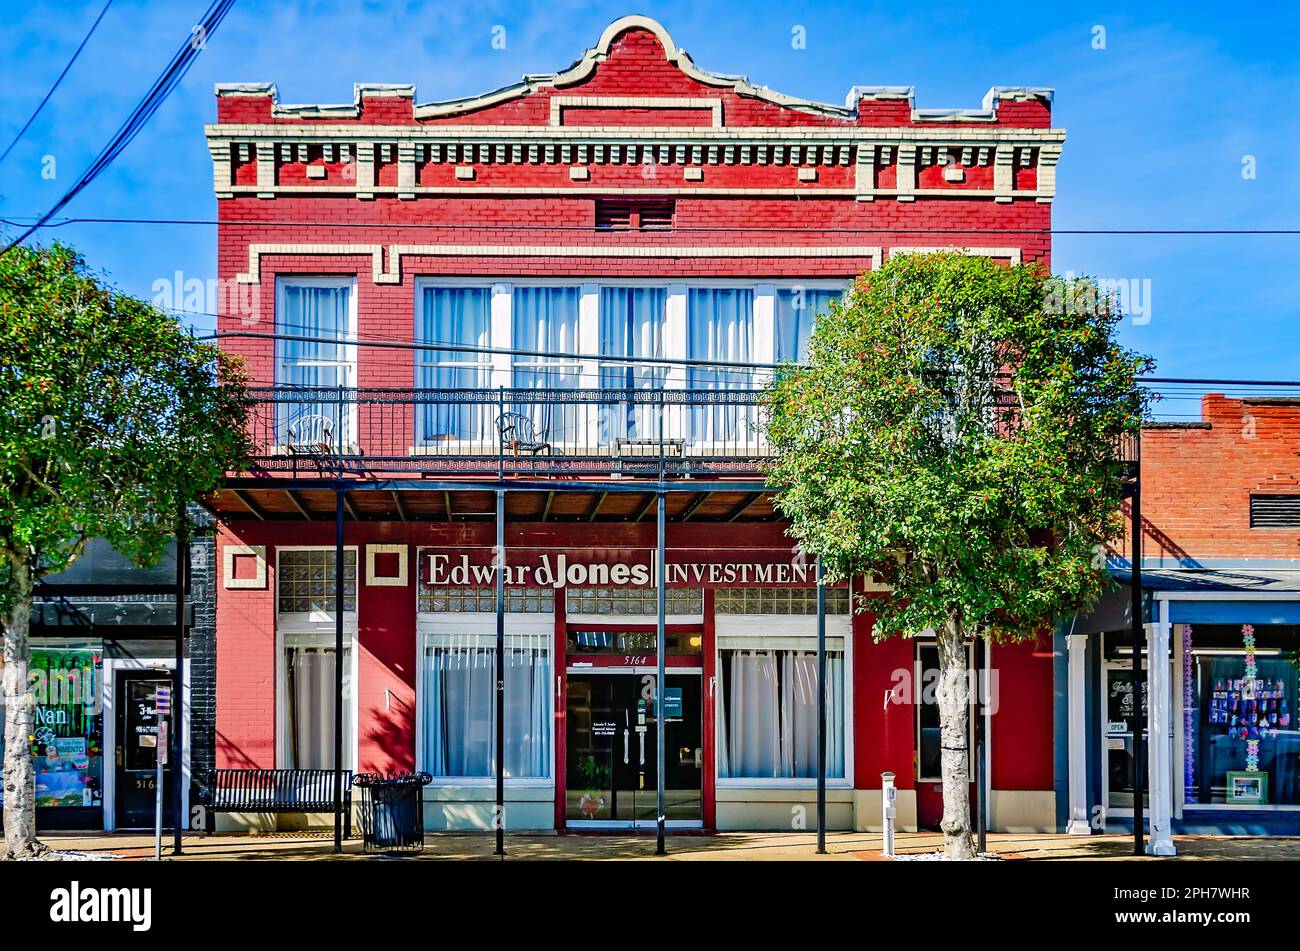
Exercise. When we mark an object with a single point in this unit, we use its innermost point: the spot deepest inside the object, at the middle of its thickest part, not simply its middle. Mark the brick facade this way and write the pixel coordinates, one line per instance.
(505, 186)
(1198, 479)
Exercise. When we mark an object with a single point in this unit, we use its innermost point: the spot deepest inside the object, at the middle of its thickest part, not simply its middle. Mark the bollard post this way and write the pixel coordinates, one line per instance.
(887, 796)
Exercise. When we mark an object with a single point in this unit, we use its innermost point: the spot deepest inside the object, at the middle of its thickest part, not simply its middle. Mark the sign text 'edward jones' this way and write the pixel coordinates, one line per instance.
(559, 571)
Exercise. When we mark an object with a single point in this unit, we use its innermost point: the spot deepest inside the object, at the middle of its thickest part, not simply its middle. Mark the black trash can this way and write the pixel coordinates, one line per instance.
(392, 811)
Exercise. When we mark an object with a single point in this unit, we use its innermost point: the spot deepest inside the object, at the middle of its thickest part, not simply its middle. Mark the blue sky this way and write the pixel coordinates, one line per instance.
(1160, 121)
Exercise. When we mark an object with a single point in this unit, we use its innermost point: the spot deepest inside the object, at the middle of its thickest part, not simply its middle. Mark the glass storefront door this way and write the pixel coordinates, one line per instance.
(612, 753)
(1120, 720)
(137, 750)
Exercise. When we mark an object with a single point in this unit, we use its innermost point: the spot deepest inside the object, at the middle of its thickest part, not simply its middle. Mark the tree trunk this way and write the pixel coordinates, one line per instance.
(953, 694)
(20, 715)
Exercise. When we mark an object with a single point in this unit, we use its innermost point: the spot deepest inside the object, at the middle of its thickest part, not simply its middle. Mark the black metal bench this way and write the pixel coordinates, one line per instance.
(277, 791)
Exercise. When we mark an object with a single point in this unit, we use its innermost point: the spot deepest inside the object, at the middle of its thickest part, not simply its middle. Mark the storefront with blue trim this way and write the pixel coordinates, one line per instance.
(1223, 695)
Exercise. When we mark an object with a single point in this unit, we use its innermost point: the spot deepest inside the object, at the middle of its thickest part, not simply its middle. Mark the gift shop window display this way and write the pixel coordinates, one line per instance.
(67, 745)
(1241, 739)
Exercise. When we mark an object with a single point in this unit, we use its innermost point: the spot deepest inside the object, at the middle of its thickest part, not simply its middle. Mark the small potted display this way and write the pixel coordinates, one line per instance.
(593, 778)
(1247, 787)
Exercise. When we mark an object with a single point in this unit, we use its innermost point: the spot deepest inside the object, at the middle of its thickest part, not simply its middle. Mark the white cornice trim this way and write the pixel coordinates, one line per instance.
(397, 251)
(579, 189)
(586, 64)
(986, 113)
(1014, 254)
(685, 135)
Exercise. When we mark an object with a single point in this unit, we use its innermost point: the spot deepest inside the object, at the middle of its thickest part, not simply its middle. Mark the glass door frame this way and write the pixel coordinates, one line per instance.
(621, 670)
(1103, 723)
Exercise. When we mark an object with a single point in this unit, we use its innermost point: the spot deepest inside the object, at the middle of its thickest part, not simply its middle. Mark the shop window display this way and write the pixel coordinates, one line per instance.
(1240, 736)
(67, 743)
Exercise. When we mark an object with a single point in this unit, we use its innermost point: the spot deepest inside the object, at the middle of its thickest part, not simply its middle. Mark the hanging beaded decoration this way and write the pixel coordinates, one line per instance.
(1252, 731)
(1189, 719)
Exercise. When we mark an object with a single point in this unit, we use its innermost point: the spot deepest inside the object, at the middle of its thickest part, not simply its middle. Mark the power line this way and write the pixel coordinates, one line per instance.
(144, 110)
(725, 365)
(732, 365)
(27, 125)
(45, 223)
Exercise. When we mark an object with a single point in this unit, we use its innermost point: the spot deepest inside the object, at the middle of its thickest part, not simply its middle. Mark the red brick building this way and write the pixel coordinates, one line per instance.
(1220, 525)
(560, 296)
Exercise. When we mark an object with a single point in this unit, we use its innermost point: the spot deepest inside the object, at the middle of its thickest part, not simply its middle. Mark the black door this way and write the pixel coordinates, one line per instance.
(612, 766)
(137, 750)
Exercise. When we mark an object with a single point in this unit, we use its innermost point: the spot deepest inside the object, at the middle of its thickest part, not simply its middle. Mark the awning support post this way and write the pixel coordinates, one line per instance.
(661, 683)
(499, 820)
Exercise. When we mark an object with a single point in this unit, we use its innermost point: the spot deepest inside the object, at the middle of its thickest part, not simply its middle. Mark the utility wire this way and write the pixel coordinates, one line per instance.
(27, 125)
(162, 87)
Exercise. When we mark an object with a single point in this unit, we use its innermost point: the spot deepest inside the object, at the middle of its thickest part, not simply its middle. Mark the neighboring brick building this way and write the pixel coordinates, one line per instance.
(596, 248)
(1220, 488)
(1221, 575)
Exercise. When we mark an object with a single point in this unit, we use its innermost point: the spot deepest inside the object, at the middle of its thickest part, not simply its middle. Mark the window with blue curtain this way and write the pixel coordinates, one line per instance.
(459, 707)
(631, 325)
(318, 308)
(545, 321)
(456, 316)
(796, 309)
(719, 327)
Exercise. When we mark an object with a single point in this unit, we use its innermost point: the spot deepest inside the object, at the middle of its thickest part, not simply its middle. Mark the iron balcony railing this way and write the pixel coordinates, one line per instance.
(575, 432)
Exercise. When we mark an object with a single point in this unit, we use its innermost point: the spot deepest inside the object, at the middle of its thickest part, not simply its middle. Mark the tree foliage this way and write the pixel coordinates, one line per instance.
(111, 413)
(957, 438)
(110, 418)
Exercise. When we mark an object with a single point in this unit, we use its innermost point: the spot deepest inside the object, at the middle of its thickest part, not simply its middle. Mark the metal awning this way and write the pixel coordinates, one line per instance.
(282, 500)
(1223, 595)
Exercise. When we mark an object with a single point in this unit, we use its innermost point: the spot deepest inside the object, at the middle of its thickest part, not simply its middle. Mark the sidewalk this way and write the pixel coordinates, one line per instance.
(726, 846)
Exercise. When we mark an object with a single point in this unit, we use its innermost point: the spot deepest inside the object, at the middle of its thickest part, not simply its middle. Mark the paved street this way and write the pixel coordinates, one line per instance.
(730, 846)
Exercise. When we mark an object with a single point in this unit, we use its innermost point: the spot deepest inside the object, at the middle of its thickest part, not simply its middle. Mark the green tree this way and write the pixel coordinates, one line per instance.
(955, 434)
(112, 416)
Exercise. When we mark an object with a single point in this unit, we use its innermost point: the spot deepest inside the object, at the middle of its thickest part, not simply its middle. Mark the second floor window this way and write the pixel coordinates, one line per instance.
(631, 326)
(455, 317)
(719, 327)
(315, 320)
(544, 320)
(796, 309)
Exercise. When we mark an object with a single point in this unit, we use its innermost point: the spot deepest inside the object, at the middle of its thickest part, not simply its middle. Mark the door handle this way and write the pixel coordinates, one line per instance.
(625, 732)
(641, 736)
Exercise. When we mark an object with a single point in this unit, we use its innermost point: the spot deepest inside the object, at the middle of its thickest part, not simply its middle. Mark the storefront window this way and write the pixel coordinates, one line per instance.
(767, 704)
(634, 601)
(306, 581)
(1240, 736)
(459, 706)
(484, 600)
(67, 745)
(778, 601)
(310, 692)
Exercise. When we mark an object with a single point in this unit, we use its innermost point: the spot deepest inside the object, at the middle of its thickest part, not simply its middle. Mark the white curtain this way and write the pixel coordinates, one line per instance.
(458, 316)
(796, 310)
(310, 696)
(545, 320)
(719, 327)
(321, 311)
(770, 715)
(631, 325)
(460, 707)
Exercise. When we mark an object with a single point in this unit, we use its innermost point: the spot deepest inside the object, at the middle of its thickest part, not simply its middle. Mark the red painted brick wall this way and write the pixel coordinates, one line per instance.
(636, 66)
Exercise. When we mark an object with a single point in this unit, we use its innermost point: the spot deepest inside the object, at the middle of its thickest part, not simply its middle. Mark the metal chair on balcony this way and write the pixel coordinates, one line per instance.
(312, 437)
(520, 434)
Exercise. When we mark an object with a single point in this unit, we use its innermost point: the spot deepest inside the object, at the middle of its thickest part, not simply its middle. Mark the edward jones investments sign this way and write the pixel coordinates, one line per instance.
(624, 568)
